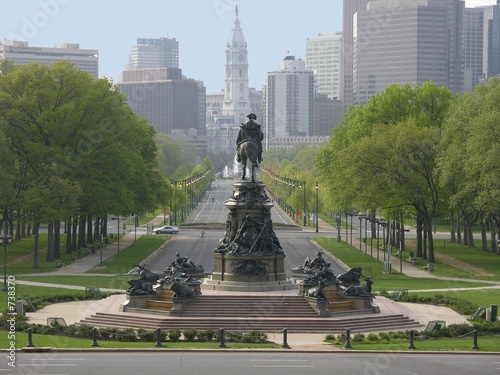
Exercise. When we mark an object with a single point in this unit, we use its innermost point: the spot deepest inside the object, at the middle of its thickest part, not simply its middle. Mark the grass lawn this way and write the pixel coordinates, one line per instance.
(482, 298)
(134, 254)
(55, 341)
(486, 344)
(385, 282)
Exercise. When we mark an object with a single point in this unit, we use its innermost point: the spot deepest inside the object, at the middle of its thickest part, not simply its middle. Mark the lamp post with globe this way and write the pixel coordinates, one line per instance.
(5, 241)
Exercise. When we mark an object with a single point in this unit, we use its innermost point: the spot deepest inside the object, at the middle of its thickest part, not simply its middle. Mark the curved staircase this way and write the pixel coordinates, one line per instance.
(265, 313)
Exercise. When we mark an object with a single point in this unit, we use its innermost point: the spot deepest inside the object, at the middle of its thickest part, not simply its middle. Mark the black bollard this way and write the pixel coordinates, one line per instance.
(285, 343)
(94, 337)
(221, 343)
(474, 335)
(412, 338)
(158, 337)
(347, 344)
(30, 338)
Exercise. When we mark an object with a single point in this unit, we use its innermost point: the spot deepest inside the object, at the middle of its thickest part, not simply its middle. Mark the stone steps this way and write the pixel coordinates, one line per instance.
(241, 306)
(368, 323)
(265, 313)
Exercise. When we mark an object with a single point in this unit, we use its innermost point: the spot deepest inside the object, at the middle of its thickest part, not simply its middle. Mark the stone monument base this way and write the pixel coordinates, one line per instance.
(249, 269)
(251, 286)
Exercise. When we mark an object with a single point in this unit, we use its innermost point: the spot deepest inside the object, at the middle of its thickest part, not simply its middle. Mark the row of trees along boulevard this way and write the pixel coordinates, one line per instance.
(71, 151)
(420, 152)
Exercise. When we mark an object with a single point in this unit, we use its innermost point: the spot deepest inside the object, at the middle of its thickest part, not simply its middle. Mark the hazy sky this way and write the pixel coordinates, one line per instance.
(202, 27)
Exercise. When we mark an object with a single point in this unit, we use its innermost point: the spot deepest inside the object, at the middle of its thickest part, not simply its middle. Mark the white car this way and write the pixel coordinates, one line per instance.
(166, 230)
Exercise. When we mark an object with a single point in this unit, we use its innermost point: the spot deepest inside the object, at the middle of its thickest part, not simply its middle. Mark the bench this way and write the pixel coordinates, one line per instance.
(435, 325)
(399, 294)
(429, 267)
(55, 322)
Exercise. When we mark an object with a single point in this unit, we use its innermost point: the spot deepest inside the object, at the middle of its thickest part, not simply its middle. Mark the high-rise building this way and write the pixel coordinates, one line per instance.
(169, 101)
(491, 61)
(327, 114)
(154, 53)
(323, 58)
(224, 118)
(407, 42)
(350, 8)
(20, 53)
(473, 43)
(289, 94)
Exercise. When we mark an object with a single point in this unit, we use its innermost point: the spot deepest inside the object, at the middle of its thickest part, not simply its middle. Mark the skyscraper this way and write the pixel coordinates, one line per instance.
(20, 53)
(473, 55)
(491, 62)
(154, 53)
(407, 42)
(323, 57)
(350, 8)
(168, 100)
(289, 95)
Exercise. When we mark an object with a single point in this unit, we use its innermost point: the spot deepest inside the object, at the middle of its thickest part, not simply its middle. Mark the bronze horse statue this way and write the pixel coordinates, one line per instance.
(249, 151)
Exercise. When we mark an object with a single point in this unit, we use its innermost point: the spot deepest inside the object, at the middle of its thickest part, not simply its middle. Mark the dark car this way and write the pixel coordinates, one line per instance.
(166, 230)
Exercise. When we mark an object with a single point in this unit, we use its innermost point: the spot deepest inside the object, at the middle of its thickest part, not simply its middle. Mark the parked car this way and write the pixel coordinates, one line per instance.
(166, 230)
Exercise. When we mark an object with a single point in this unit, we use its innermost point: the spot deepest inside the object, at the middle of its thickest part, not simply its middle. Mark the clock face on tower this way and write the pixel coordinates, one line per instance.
(241, 57)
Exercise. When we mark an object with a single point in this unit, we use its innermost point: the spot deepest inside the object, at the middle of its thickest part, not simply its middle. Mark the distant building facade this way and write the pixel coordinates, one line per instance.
(327, 114)
(473, 47)
(169, 101)
(288, 104)
(491, 62)
(426, 40)
(21, 53)
(323, 57)
(349, 9)
(154, 53)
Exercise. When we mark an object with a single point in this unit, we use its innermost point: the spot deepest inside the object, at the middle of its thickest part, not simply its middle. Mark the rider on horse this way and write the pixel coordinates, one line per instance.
(250, 130)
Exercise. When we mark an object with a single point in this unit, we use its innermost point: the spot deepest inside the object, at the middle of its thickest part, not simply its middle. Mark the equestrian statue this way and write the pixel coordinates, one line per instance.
(249, 145)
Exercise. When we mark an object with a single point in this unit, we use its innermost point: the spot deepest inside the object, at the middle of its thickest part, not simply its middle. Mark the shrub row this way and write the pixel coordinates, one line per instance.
(483, 327)
(130, 334)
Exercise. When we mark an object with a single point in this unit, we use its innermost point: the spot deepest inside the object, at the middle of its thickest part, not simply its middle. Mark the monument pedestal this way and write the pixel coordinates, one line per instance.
(249, 257)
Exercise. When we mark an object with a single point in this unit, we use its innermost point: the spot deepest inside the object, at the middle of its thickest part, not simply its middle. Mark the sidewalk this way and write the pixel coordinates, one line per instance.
(73, 312)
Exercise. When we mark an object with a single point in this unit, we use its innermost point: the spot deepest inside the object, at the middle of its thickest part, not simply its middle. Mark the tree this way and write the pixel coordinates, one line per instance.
(62, 125)
(382, 155)
(469, 159)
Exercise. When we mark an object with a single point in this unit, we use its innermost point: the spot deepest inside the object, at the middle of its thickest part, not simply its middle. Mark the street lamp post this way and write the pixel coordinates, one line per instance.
(339, 224)
(317, 206)
(5, 241)
(305, 223)
(360, 232)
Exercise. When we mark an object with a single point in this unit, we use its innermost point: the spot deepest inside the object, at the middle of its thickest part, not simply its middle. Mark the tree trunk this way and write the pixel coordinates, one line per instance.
(90, 238)
(97, 231)
(424, 242)
(68, 236)
(50, 243)
(74, 239)
(57, 240)
(81, 232)
(484, 235)
(459, 230)
(494, 237)
(420, 253)
(18, 224)
(452, 228)
(36, 264)
(430, 240)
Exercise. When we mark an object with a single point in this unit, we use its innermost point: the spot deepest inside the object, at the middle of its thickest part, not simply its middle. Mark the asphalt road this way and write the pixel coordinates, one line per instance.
(246, 363)
(296, 242)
